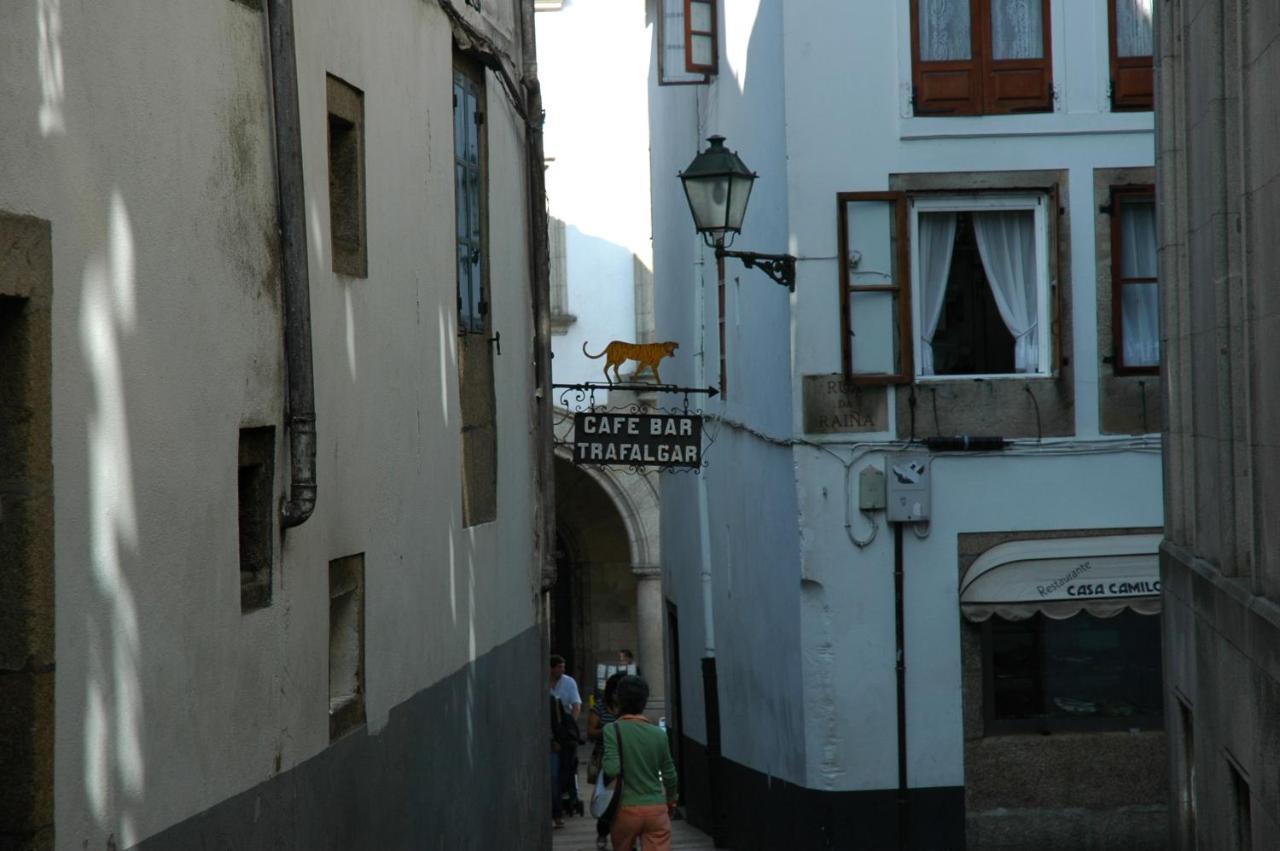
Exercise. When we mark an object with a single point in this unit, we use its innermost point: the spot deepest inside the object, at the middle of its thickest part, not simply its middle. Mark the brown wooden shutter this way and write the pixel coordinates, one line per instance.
(1132, 77)
(700, 40)
(951, 87)
(894, 282)
(1015, 85)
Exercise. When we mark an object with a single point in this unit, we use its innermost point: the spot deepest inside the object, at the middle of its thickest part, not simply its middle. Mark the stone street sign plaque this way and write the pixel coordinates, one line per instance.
(833, 405)
(637, 440)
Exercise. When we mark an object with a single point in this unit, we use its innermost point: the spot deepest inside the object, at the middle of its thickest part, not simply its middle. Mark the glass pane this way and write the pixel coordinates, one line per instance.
(700, 17)
(1133, 27)
(1138, 238)
(1140, 324)
(874, 320)
(1017, 29)
(710, 198)
(464, 284)
(473, 205)
(460, 199)
(872, 242)
(459, 126)
(473, 141)
(944, 30)
(739, 193)
(1081, 667)
(701, 49)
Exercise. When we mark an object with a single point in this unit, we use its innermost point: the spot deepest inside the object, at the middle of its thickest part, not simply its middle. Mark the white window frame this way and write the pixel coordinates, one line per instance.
(1037, 203)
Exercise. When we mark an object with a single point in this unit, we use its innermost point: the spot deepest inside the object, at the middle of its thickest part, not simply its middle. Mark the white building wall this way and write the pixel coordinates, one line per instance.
(142, 132)
(815, 97)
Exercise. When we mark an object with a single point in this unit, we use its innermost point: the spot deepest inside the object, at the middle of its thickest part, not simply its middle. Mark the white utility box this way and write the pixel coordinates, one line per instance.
(907, 474)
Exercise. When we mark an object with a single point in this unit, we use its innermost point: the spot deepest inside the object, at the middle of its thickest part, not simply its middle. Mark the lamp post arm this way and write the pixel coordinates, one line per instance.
(780, 267)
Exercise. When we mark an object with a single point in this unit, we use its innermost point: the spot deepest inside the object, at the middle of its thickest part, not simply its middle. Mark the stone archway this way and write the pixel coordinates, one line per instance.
(609, 580)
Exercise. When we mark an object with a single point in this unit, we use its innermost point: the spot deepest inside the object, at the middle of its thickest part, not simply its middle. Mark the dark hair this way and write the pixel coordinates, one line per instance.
(611, 687)
(632, 694)
(556, 660)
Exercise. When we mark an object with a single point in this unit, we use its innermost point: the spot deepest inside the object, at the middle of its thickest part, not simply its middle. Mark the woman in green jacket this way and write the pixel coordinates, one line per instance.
(648, 783)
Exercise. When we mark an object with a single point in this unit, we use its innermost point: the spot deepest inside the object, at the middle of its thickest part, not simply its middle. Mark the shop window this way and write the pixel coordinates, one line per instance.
(1131, 46)
(687, 31)
(954, 285)
(980, 57)
(1135, 291)
(1079, 673)
(347, 240)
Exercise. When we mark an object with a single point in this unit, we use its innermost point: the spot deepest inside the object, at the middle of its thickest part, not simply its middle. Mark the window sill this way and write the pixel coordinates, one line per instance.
(1027, 124)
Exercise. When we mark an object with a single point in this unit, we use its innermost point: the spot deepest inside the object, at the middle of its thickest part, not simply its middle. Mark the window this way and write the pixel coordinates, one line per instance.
(1131, 41)
(469, 195)
(1080, 673)
(1242, 817)
(980, 57)
(1135, 290)
(475, 354)
(346, 644)
(945, 285)
(687, 32)
(346, 178)
(256, 486)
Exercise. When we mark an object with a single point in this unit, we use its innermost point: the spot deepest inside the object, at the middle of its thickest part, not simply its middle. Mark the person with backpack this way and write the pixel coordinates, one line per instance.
(637, 750)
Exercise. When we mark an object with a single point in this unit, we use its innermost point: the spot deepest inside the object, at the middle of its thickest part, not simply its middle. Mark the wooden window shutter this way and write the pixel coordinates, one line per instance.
(1132, 77)
(700, 36)
(1014, 84)
(944, 86)
(874, 242)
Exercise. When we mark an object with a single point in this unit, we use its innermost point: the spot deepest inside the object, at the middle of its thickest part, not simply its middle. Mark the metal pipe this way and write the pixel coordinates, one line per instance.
(904, 804)
(300, 411)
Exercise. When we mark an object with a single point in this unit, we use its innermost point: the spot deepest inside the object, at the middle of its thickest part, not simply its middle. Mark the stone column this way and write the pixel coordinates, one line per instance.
(650, 630)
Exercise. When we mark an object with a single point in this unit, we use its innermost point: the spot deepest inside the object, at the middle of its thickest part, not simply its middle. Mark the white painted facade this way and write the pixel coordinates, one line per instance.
(142, 132)
(815, 97)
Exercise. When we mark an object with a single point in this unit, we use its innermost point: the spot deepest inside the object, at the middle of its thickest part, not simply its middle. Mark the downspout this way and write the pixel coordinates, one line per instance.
(300, 411)
(540, 282)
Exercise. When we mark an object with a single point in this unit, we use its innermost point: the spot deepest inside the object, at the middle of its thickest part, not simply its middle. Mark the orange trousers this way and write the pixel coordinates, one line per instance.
(649, 823)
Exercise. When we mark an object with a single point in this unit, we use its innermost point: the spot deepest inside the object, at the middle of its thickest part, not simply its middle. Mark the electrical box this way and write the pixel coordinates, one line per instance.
(908, 478)
(871, 489)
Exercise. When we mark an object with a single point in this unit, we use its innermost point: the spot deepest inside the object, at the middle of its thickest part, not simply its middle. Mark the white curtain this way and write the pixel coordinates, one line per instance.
(1133, 27)
(937, 239)
(1139, 303)
(1017, 29)
(1007, 245)
(944, 30)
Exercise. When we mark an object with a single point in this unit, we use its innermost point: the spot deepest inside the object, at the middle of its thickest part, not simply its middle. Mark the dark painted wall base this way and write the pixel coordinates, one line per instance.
(461, 765)
(761, 812)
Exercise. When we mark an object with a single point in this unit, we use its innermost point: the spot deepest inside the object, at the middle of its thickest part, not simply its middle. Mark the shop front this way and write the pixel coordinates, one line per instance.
(1064, 741)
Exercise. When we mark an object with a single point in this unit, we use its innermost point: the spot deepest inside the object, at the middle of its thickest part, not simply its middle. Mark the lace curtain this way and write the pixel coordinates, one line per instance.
(1139, 303)
(937, 240)
(1007, 245)
(944, 30)
(1017, 29)
(1133, 27)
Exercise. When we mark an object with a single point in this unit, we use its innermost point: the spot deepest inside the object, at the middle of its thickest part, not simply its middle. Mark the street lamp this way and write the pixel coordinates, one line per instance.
(717, 185)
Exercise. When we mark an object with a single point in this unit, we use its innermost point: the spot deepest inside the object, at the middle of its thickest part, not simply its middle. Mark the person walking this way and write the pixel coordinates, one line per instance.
(648, 782)
(602, 715)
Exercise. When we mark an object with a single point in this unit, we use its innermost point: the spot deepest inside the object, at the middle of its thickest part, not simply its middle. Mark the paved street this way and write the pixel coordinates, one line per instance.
(579, 832)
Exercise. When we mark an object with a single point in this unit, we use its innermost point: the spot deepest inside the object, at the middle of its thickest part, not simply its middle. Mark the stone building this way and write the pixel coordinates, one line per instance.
(274, 425)
(1220, 559)
(967, 190)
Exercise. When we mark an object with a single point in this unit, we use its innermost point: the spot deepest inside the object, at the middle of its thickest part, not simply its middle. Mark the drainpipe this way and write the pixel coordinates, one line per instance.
(300, 412)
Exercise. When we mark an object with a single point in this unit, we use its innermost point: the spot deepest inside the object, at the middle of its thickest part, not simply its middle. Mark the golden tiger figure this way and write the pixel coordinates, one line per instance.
(645, 354)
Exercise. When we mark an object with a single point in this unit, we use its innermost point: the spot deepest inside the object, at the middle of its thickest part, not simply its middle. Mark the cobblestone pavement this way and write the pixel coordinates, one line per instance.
(579, 832)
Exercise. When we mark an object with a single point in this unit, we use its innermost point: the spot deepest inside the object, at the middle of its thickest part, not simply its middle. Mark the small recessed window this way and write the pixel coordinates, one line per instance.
(256, 486)
(687, 34)
(346, 179)
(346, 644)
(1132, 42)
(1135, 286)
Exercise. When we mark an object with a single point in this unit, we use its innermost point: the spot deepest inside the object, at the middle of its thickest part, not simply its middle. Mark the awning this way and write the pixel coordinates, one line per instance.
(1060, 577)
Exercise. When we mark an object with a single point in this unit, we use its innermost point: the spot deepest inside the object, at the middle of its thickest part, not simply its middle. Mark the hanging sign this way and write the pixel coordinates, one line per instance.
(637, 440)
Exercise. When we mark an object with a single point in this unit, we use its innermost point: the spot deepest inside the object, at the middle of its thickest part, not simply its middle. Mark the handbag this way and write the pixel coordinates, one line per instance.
(605, 800)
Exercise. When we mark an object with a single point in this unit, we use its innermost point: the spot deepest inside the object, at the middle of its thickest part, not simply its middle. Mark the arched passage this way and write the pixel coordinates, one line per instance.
(608, 593)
